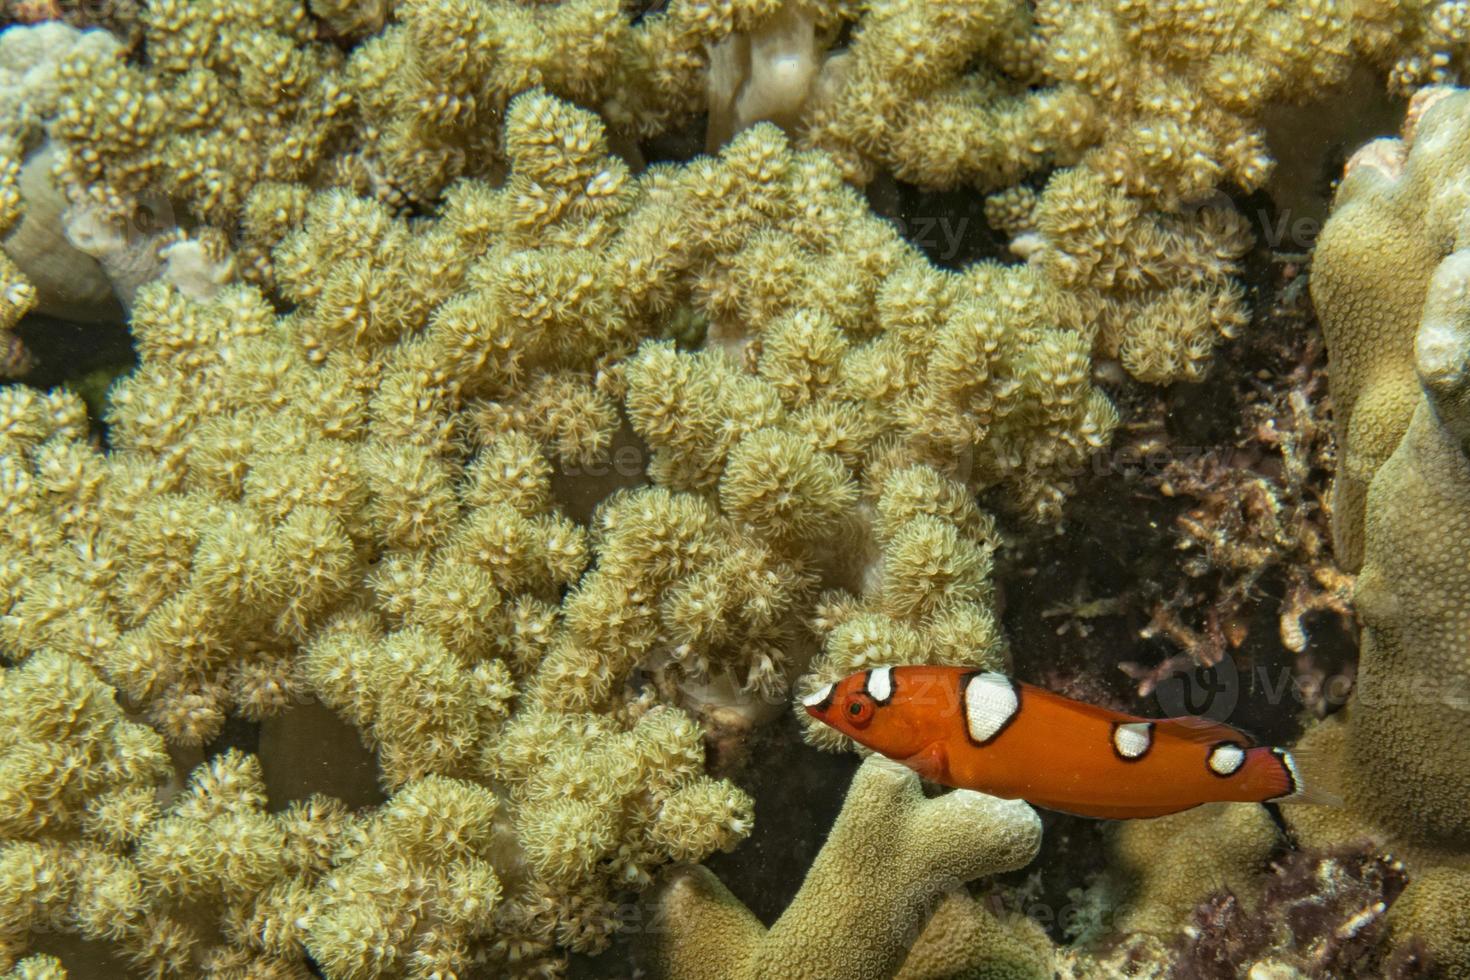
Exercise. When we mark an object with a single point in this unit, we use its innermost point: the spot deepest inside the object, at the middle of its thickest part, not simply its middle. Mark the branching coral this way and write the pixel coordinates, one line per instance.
(888, 858)
(211, 881)
(432, 88)
(233, 94)
(910, 94)
(17, 293)
(340, 502)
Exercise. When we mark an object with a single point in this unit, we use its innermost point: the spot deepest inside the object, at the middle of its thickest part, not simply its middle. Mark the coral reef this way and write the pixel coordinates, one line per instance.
(17, 293)
(1395, 322)
(1395, 325)
(1122, 235)
(234, 95)
(432, 87)
(1327, 918)
(908, 95)
(1386, 213)
(964, 938)
(1128, 221)
(210, 860)
(524, 470)
(84, 259)
(333, 534)
(353, 502)
(926, 597)
(119, 17)
(214, 68)
(888, 858)
(1428, 923)
(1230, 903)
(1161, 870)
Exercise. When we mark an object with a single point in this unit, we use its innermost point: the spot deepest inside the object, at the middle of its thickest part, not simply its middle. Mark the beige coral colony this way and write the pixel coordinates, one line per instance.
(444, 442)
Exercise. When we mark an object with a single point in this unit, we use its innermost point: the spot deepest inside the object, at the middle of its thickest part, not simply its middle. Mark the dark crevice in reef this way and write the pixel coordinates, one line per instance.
(85, 357)
(676, 145)
(1047, 891)
(236, 733)
(949, 227)
(1076, 602)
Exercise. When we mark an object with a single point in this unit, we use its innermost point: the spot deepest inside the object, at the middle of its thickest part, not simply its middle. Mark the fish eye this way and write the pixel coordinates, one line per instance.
(860, 710)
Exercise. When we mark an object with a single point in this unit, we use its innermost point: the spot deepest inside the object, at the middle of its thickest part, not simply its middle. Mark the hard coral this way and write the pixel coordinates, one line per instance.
(888, 858)
(963, 938)
(1395, 319)
(1370, 275)
(1398, 343)
(1172, 863)
(1430, 925)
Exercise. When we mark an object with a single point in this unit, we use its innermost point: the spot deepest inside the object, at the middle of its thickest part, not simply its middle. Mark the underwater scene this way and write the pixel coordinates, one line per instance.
(734, 489)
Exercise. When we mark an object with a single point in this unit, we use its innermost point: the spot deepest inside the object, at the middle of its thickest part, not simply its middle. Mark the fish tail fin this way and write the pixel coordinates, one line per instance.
(1304, 779)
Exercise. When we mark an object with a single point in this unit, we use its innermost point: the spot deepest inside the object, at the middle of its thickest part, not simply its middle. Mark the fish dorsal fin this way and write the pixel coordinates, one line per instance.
(1193, 728)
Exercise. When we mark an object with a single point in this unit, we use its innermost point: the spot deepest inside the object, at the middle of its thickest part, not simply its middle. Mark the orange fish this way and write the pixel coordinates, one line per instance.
(984, 731)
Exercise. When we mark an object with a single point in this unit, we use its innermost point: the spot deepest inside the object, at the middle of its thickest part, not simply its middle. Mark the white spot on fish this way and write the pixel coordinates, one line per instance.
(991, 702)
(817, 697)
(1132, 739)
(880, 684)
(1226, 759)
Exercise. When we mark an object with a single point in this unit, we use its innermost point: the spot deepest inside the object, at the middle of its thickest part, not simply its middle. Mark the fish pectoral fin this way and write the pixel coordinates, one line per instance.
(932, 763)
(1192, 728)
